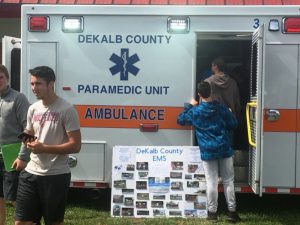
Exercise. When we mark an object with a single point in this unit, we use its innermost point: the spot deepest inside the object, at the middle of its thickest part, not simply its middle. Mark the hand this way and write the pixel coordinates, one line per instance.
(193, 102)
(19, 164)
(35, 147)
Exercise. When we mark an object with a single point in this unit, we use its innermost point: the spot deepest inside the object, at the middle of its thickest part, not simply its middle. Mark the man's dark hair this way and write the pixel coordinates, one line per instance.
(220, 63)
(4, 70)
(43, 72)
(204, 89)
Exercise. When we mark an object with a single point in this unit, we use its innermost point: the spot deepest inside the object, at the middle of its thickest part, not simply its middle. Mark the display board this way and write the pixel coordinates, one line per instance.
(158, 181)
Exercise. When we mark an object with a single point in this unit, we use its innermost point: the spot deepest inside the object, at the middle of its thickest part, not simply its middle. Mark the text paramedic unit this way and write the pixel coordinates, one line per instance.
(122, 89)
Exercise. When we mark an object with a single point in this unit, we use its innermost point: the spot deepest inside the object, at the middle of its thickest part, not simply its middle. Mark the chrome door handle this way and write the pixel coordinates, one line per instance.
(272, 115)
(72, 161)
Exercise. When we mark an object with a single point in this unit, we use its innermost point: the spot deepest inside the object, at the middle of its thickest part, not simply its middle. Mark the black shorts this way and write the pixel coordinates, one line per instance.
(8, 183)
(42, 196)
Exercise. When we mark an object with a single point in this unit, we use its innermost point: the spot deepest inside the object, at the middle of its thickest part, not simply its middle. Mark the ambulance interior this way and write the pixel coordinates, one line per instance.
(235, 49)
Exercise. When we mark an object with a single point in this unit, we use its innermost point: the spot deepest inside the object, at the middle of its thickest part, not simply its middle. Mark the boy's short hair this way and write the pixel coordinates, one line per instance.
(220, 63)
(43, 72)
(204, 89)
(4, 70)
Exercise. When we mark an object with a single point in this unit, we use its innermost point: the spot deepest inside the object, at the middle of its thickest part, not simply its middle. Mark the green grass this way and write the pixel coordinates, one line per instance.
(254, 210)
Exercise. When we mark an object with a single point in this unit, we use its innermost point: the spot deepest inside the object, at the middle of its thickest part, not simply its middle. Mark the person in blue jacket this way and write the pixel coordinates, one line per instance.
(213, 123)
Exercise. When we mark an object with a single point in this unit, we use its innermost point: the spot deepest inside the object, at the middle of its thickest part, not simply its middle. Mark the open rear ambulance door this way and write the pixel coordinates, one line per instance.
(254, 109)
(11, 58)
(280, 137)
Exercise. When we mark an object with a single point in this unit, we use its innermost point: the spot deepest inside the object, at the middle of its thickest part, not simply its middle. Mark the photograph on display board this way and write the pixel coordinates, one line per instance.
(157, 204)
(175, 213)
(120, 184)
(201, 192)
(128, 201)
(177, 165)
(159, 212)
(188, 176)
(172, 205)
(118, 198)
(190, 212)
(127, 191)
(130, 167)
(142, 196)
(116, 210)
(143, 175)
(128, 176)
(141, 204)
(142, 212)
(191, 198)
(200, 205)
(176, 197)
(127, 211)
(141, 185)
(159, 184)
(192, 184)
(176, 175)
(192, 168)
(176, 186)
(200, 177)
(142, 165)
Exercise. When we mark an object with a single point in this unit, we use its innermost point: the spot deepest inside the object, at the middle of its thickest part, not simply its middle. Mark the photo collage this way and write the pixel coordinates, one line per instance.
(145, 187)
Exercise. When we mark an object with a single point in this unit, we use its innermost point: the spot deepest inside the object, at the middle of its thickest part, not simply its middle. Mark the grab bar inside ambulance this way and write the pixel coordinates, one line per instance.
(250, 137)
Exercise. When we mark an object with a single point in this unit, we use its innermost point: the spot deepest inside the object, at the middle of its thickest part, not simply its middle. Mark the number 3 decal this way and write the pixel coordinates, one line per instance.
(256, 23)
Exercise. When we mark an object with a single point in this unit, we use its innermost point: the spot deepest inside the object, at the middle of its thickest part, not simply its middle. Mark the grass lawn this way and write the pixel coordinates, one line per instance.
(254, 210)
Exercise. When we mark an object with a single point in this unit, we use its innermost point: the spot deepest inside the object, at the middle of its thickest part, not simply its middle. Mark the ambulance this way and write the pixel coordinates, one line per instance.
(129, 70)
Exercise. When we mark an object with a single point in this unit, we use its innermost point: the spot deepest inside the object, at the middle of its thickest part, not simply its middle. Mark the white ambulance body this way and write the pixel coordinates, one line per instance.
(129, 71)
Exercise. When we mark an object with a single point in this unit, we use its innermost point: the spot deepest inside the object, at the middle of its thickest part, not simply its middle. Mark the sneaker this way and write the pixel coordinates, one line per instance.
(233, 217)
(212, 216)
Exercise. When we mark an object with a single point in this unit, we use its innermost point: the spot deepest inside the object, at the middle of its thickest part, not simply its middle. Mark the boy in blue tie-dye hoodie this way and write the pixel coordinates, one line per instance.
(213, 123)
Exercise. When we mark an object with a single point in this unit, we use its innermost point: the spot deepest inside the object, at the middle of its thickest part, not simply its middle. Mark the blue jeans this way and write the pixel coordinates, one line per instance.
(211, 170)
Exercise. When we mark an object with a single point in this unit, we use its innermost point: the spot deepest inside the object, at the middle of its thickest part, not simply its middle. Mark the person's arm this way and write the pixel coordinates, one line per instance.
(73, 145)
(186, 117)
(21, 106)
(230, 119)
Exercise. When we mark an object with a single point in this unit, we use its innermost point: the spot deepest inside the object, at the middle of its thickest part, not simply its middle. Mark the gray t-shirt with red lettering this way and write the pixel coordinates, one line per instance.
(50, 125)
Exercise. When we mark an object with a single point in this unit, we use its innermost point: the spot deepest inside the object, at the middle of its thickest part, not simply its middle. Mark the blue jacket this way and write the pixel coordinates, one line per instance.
(213, 123)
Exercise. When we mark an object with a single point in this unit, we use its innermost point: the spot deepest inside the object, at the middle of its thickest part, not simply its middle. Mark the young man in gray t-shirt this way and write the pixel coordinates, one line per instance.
(44, 183)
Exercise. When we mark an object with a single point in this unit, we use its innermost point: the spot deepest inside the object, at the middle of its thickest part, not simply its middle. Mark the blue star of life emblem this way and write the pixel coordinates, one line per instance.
(124, 64)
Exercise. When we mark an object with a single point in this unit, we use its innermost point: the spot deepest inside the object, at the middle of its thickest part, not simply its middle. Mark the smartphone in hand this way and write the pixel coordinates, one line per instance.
(27, 137)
